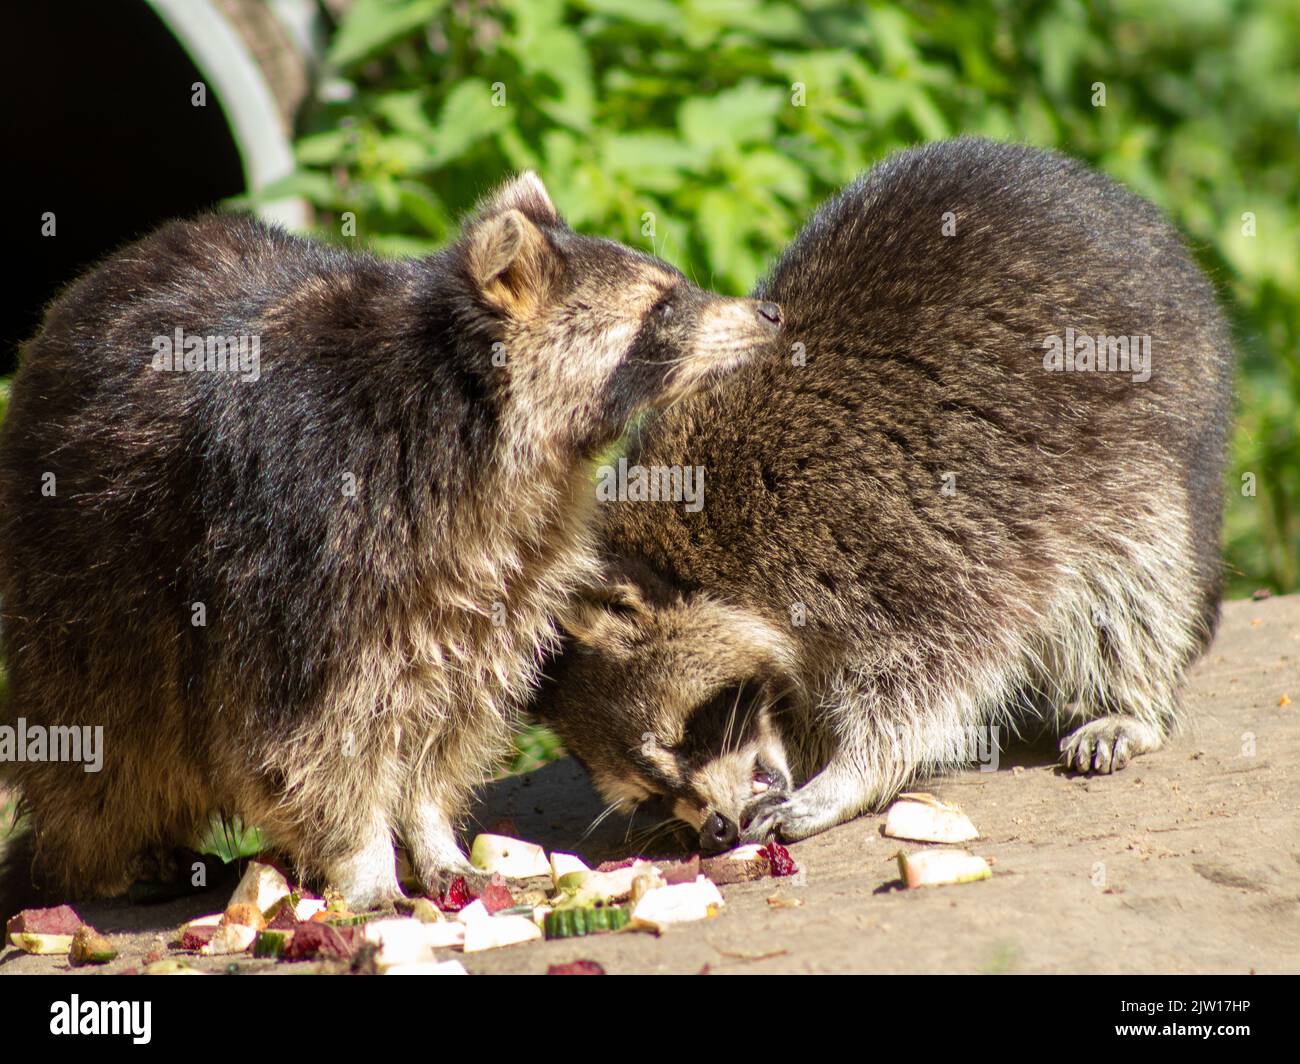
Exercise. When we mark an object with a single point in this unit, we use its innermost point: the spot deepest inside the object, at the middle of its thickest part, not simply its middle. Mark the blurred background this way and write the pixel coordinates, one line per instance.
(704, 130)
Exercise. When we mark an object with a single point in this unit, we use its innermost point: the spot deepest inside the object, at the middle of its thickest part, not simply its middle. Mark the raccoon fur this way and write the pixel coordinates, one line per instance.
(925, 517)
(314, 593)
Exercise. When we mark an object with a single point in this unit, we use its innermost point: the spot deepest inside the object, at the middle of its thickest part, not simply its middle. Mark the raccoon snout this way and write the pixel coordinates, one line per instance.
(718, 833)
(770, 313)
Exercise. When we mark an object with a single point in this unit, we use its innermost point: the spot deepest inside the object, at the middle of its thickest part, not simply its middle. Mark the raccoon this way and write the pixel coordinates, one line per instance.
(976, 482)
(312, 589)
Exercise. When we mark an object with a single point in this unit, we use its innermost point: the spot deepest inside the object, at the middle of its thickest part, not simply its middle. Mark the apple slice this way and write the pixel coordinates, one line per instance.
(509, 857)
(924, 818)
(935, 868)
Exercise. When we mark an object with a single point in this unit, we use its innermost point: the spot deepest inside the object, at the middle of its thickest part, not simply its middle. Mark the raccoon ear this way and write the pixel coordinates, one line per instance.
(525, 194)
(600, 615)
(511, 262)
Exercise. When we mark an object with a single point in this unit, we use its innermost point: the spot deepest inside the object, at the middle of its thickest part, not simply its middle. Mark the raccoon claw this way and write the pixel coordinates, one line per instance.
(794, 817)
(1107, 745)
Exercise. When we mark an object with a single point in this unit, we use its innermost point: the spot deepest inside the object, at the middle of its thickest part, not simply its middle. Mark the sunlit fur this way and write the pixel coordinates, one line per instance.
(911, 526)
(364, 655)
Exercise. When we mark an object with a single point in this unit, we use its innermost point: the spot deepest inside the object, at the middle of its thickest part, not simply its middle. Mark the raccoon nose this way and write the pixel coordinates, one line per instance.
(769, 312)
(718, 834)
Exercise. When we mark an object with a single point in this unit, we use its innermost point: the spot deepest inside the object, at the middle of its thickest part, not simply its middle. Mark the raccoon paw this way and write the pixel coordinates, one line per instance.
(792, 818)
(1107, 745)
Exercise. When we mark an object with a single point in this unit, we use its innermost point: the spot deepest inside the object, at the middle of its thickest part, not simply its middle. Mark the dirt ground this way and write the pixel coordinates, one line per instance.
(1187, 861)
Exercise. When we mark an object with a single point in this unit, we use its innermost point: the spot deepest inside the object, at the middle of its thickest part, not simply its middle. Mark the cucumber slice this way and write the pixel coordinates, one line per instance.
(575, 923)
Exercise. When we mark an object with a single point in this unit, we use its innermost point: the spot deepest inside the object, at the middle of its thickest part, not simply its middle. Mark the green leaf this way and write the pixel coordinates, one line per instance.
(468, 116)
(369, 25)
(733, 117)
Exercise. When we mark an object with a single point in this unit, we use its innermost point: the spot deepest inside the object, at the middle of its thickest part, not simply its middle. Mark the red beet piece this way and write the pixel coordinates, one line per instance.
(60, 920)
(457, 897)
(779, 857)
(681, 871)
(575, 968)
(195, 938)
(284, 920)
(614, 866)
(312, 941)
(496, 896)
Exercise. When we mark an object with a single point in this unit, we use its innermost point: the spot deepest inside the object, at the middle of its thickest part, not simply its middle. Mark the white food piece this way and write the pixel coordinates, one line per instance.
(473, 912)
(40, 944)
(745, 853)
(406, 940)
(512, 858)
(679, 903)
(230, 938)
(923, 818)
(609, 886)
(307, 908)
(564, 863)
(262, 886)
(428, 968)
(211, 920)
(497, 931)
(934, 868)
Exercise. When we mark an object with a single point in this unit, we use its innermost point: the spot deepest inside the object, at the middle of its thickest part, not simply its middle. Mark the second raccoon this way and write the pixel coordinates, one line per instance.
(978, 478)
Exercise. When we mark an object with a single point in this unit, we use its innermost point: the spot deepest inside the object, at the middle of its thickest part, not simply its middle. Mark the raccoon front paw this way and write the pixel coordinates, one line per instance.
(794, 817)
(1107, 745)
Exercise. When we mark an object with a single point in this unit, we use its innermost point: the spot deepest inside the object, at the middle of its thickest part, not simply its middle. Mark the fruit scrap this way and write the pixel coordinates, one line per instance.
(496, 896)
(271, 943)
(574, 923)
(456, 897)
(170, 966)
(683, 871)
(229, 938)
(244, 913)
(406, 940)
(575, 968)
(493, 932)
(933, 868)
(90, 947)
(317, 941)
(509, 857)
(924, 818)
(43, 931)
(678, 904)
(781, 861)
(262, 887)
(564, 863)
(741, 865)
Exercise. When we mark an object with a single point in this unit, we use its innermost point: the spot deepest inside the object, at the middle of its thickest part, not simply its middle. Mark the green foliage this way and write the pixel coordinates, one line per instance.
(706, 130)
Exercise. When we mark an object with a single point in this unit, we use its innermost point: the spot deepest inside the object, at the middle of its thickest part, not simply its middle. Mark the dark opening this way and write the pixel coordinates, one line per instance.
(100, 131)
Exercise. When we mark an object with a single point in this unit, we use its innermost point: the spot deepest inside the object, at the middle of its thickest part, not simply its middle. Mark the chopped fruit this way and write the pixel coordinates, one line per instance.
(90, 947)
(564, 863)
(932, 868)
(646, 882)
(195, 938)
(457, 896)
(44, 931)
(229, 938)
(509, 857)
(271, 943)
(574, 923)
(587, 888)
(741, 865)
(678, 904)
(924, 818)
(782, 863)
(493, 932)
(244, 913)
(496, 896)
(317, 940)
(575, 968)
(262, 886)
(283, 920)
(776, 901)
(680, 871)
